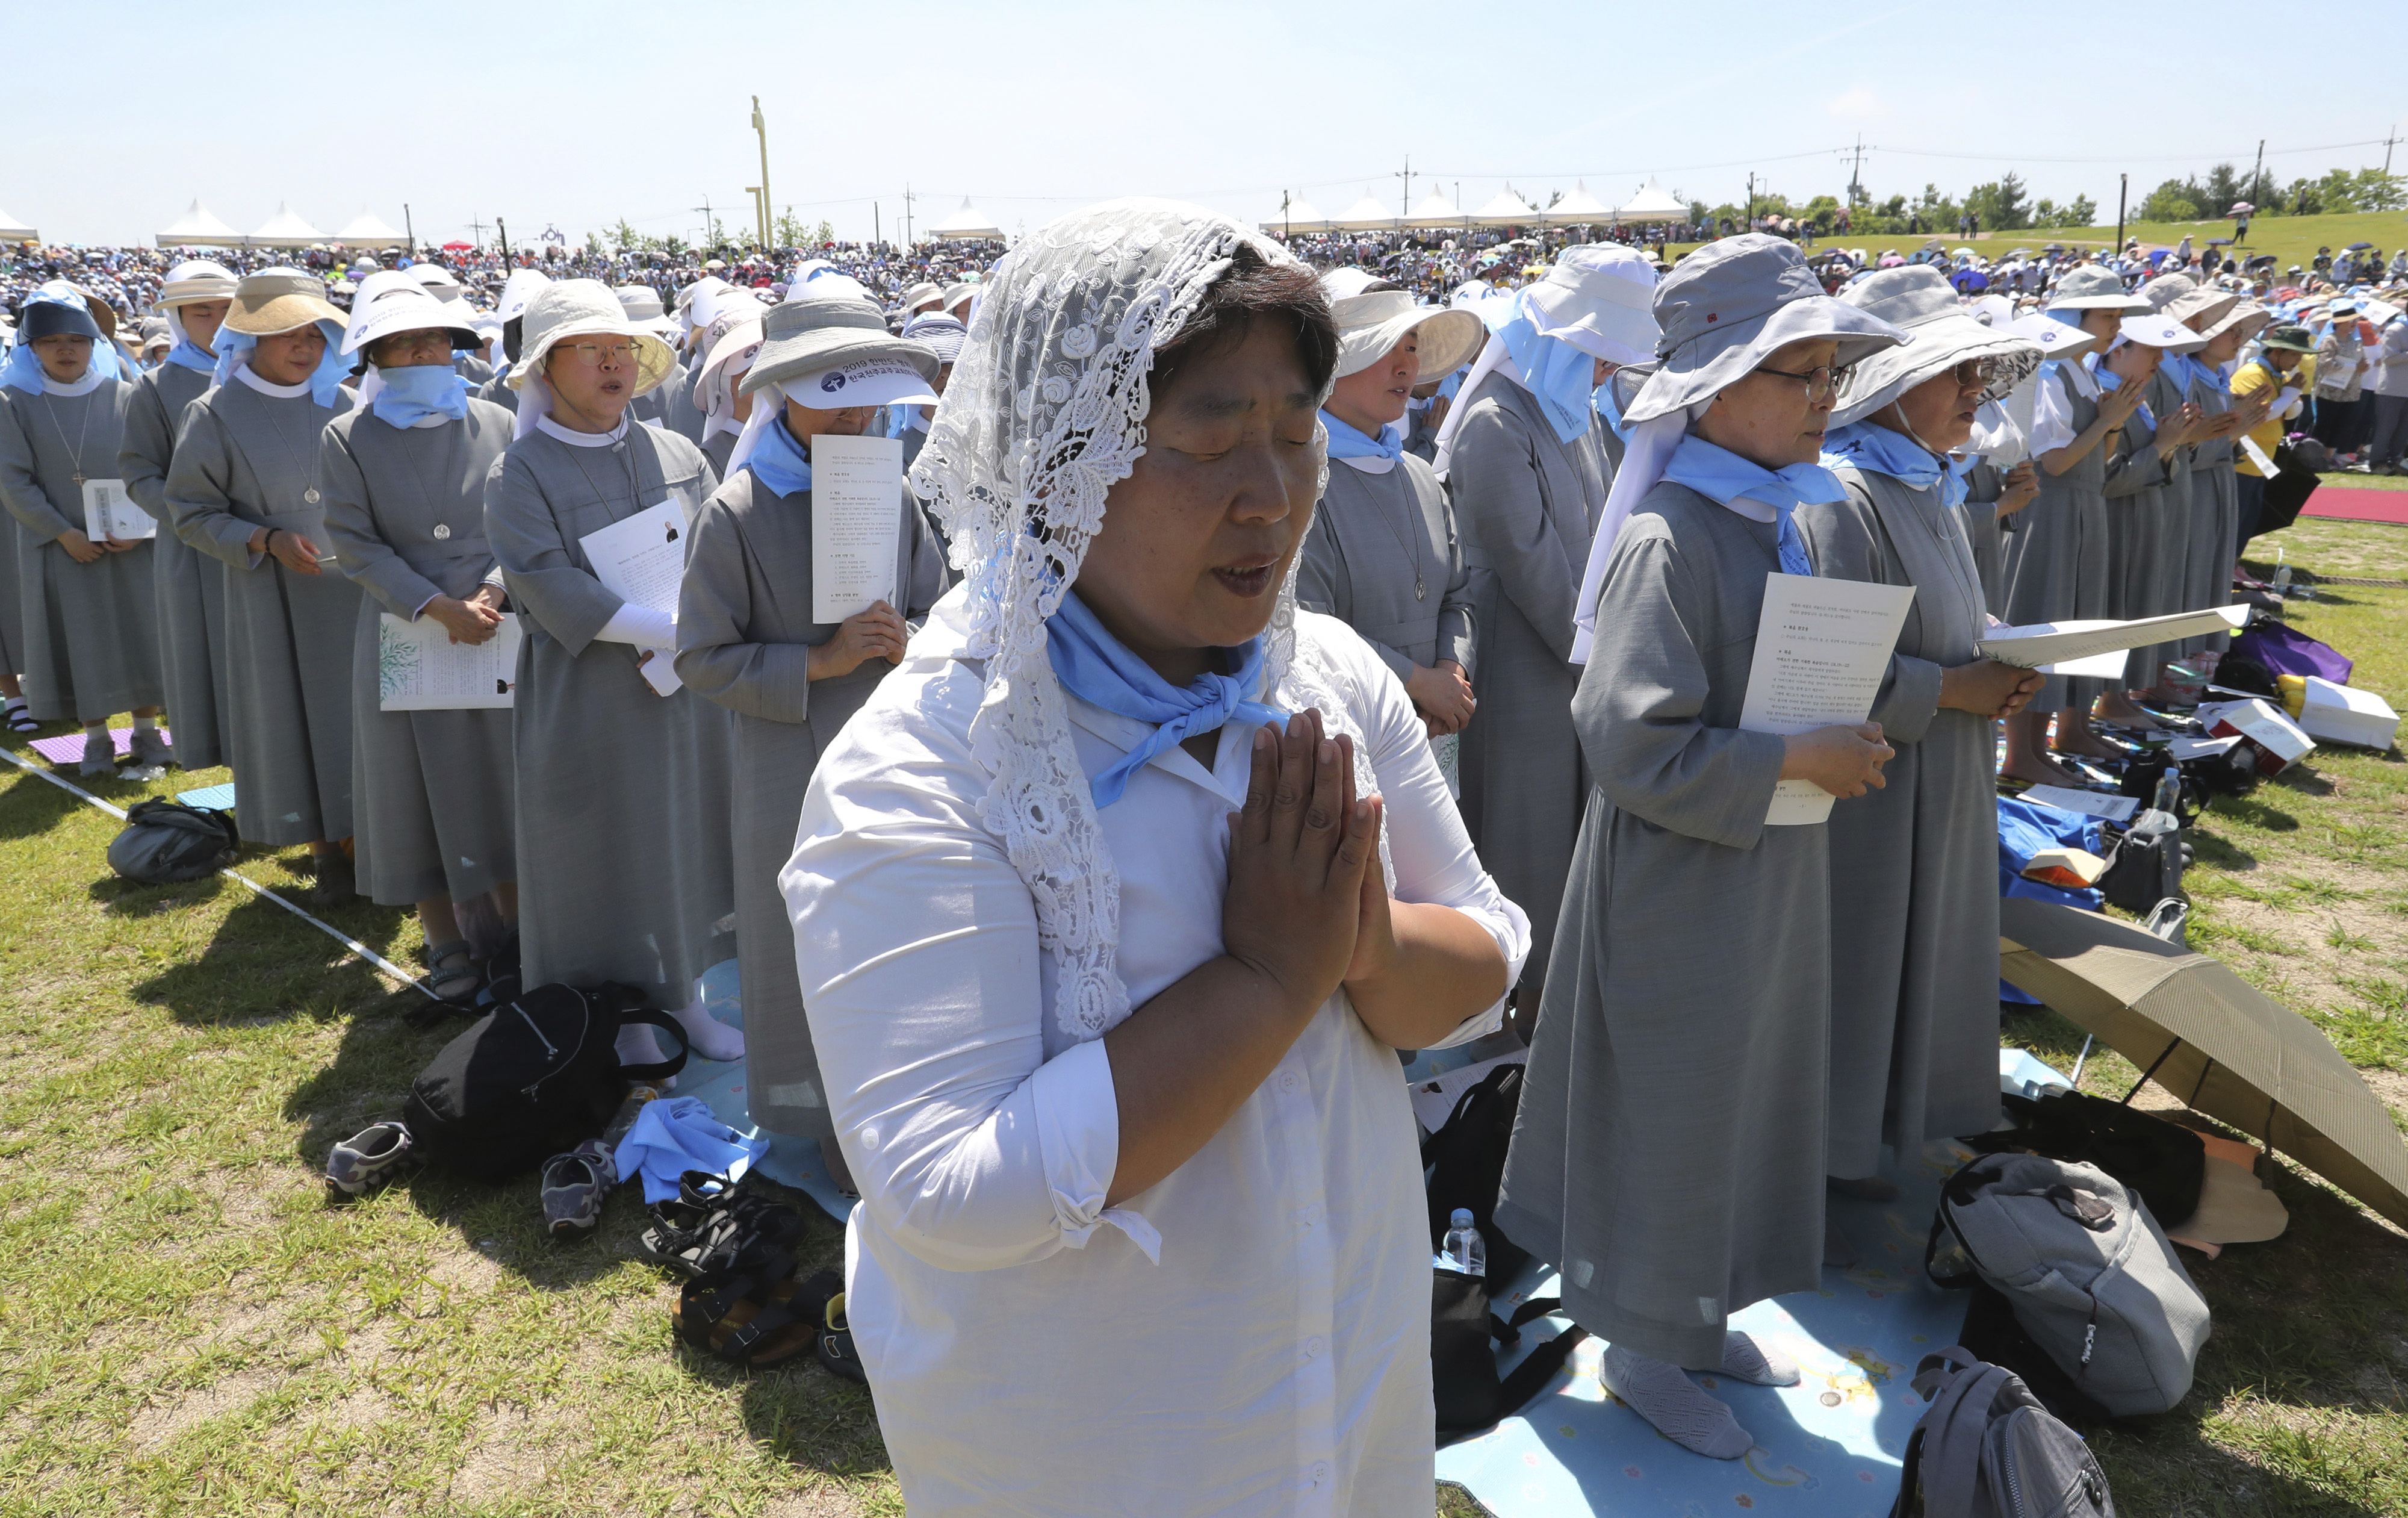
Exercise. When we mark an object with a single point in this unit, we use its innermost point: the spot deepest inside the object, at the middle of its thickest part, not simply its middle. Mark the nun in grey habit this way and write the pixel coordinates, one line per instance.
(727, 346)
(1524, 455)
(404, 479)
(91, 631)
(1914, 887)
(2148, 498)
(1383, 555)
(624, 870)
(1667, 1157)
(518, 289)
(747, 641)
(2212, 467)
(243, 489)
(188, 586)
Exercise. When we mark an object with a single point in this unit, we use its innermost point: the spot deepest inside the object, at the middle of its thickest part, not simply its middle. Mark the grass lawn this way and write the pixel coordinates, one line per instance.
(187, 1326)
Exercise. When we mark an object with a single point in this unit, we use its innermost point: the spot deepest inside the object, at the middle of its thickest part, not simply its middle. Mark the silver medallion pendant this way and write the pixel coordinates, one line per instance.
(1420, 589)
(311, 496)
(442, 531)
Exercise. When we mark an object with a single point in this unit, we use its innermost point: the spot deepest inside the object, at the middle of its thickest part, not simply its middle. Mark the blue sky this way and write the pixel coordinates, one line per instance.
(575, 115)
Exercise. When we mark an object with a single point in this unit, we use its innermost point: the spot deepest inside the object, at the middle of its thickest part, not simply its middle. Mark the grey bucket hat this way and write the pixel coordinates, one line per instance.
(805, 334)
(2166, 288)
(1941, 333)
(2202, 309)
(2094, 287)
(1731, 304)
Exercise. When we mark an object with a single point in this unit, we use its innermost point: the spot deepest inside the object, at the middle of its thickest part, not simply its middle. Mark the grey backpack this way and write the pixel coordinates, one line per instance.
(167, 842)
(2088, 1274)
(1988, 1449)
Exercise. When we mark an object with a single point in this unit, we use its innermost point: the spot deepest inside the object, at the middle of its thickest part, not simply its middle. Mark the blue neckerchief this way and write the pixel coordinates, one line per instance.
(1608, 408)
(898, 420)
(325, 380)
(192, 355)
(412, 393)
(1552, 370)
(1096, 666)
(1871, 446)
(1348, 442)
(2188, 371)
(778, 460)
(2109, 381)
(1725, 476)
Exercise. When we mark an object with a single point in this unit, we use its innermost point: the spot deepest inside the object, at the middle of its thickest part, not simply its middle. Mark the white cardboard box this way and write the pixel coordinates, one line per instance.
(2277, 739)
(2346, 714)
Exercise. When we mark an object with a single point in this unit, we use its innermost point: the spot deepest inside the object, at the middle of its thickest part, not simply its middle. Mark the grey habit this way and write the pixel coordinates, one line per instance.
(2215, 516)
(1669, 1153)
(2058, 563)
(622, 795)
(1914, 873)
(406, 512)
(744, 638)
(718, 447)
(1984, 482)
(678, 413)
(1383, 558)
(91, 630)
(470, 367)
(2148, 495)
(188, 587)
(653, 406)
(1526, 504)
(248, 460)
(499, 393)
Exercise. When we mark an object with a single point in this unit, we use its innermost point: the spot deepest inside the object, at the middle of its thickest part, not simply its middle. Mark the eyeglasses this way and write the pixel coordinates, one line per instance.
(1822, 382)
(1977, 371)
(592, 355)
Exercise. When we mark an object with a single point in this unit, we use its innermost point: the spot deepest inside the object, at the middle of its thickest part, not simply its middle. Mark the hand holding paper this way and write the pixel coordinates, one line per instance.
(856, 512)
(1821, 649)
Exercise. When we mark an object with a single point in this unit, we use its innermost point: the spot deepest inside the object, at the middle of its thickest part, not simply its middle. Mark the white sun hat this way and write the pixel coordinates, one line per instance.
(391, 301)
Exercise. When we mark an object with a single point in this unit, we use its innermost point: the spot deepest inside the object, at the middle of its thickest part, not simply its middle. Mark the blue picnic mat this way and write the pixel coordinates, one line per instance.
(790, 1161)
(1830, 1447)
(215, 797)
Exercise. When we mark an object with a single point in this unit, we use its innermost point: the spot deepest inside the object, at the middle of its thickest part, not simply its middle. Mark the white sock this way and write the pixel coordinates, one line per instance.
(710, 1038)
(1752, 1359)
(98, 729)
(1678, 1408)
(146, 725)
(14, 702)
(640, 1045)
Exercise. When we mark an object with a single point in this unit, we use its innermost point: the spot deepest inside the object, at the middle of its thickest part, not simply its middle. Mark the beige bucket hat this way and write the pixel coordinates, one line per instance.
(1371, 326)
(1941, 333)
(2092, 287)
(195, 280)
(580, 309)
(280, 300)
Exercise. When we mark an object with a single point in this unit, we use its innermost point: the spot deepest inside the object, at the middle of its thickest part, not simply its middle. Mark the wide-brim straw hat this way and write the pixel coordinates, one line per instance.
(827, 324)
(195, 280)
(1734, 303)
(391, 301)
(582, 308)
(2093, 287)
(1600, 297)
(1941, 333)
(1369, 327)
(280, 300)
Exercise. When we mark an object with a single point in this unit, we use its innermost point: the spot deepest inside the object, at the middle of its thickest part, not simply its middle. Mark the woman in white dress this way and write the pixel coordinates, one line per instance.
(1141, 1224)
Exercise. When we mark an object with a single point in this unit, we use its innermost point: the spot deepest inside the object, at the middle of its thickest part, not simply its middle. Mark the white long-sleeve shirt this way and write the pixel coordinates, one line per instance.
(1249, 1336)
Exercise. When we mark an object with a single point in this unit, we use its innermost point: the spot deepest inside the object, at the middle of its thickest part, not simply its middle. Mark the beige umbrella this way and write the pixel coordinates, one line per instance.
(2203, 1034)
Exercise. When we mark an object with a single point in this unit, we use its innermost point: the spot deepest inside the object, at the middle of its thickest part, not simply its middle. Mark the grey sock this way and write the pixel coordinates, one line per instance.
(1677, 1407)
(1753, 1360)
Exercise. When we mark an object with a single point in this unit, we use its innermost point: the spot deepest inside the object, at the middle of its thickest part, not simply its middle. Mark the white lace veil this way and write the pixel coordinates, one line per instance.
(1044, 414)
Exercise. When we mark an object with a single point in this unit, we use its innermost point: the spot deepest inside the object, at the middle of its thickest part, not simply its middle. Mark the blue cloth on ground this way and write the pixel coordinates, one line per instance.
(678, 1134)
(2026, 828)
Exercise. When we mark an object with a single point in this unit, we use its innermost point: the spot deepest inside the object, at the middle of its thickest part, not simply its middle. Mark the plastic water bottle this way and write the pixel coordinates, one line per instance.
(2169, 796)
(1464, 1249)
(2282, 580)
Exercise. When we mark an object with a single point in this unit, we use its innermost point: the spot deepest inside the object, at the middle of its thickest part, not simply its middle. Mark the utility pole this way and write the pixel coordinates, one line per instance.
(761, 130)
(477, 230)
(2257, 175)
(907, 216)
(2391, 135)
(877, 234)
(409, 228)
(1287, 232)
(1406, 206)
(2122, 184)
(709, 227)
(502, 234)
(1751, 204)
(1856, 174)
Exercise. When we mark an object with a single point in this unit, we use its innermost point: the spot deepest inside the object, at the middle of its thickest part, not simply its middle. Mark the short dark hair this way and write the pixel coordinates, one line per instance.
(1255, 289)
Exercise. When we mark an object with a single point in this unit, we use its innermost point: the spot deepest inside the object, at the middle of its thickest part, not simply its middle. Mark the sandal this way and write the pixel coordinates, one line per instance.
(742, 1324)
(20, 717)
(715, 1242)
(836, 1351)
(703, 1192)
(452, 987)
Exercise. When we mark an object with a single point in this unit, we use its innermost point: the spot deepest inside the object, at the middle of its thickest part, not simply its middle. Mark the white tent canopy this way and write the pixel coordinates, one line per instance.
(1579, 209)
(285, 230)
(1507, 209)
(12, 230)
(1652, 204)
(1366, 215)
(1300, 217)
(367, 230)
(968, 224)
(197, 228)
(1435, 210)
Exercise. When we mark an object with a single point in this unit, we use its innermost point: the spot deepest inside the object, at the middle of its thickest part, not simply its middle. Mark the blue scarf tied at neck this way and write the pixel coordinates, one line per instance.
(412, 393)
(1346, 441)
(1726, 477)
(1877, 449)
(192, 355)
(325, 380)
(777, 460)
(1558, 374)
(2108, 379)
(1096, 667)
(2188, 371)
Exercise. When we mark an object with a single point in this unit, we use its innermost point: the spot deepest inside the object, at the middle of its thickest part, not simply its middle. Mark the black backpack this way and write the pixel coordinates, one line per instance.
(2164, 1162)
(1466, 1158)
(1464, 1384)
(167, 842)
(533, 1078)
